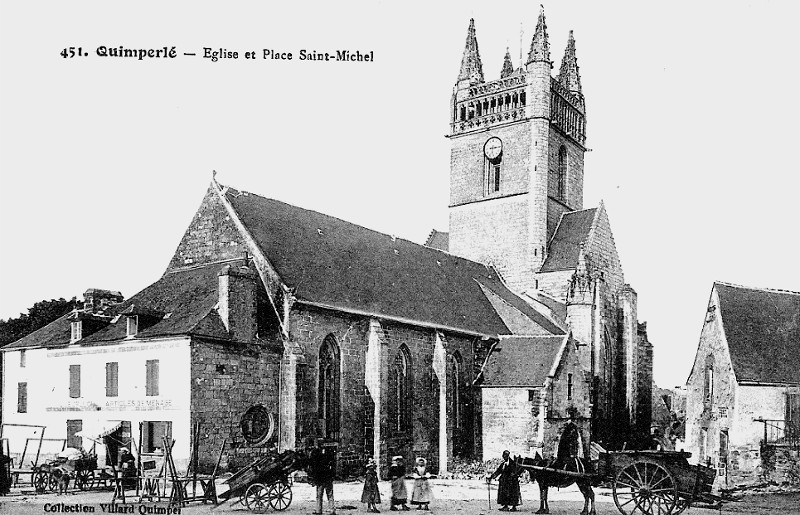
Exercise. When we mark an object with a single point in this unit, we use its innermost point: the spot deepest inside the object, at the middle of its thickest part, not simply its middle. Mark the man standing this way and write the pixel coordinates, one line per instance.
(322, 468)
(508, 491)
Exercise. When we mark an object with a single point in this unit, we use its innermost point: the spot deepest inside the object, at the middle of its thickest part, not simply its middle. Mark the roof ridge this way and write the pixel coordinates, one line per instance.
(757, 288)
(390, 236)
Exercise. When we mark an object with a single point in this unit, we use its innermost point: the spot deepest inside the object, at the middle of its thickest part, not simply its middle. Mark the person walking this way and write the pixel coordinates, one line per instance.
(508, 495)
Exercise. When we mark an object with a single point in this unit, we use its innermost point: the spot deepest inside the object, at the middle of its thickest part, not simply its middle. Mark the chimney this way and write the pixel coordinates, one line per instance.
(96, 300)
(237, 301)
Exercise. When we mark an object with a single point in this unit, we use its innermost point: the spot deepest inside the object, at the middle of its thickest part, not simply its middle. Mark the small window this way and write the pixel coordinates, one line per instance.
(74, 381)
(112, 379)
(74, 426)
(561, 191)
(77, 331)
(257, 425)
(22, 397)
(153, 434)
(532, 396)
(569, 387)
(722, 411)
(151, 377)
(22, 358)
(133, 326)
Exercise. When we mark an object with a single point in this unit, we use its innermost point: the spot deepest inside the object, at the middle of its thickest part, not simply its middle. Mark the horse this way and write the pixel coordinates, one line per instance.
(567, 460)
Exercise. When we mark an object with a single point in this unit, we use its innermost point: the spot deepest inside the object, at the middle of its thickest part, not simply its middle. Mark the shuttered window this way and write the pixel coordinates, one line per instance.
(22, 397)
(74, 381)
(112, 379)
(151, 379)
(74, 426)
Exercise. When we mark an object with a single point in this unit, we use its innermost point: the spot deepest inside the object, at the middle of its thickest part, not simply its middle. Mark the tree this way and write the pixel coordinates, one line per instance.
(39, 315)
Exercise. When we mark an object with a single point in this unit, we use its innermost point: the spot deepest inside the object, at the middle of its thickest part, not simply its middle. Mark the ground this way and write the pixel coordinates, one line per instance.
(451, 497)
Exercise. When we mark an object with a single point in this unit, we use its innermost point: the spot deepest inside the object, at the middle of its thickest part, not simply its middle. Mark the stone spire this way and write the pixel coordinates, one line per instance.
(540, 48)
(471, 67)
(508, 66)
(569, 76)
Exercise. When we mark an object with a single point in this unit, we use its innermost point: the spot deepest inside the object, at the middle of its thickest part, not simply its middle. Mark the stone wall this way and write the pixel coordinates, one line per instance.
(510, 420)
(227, 380)
(211, 236)
(358, 338)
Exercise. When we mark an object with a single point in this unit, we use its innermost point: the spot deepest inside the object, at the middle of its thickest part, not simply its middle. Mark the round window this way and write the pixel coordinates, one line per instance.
(257, 425)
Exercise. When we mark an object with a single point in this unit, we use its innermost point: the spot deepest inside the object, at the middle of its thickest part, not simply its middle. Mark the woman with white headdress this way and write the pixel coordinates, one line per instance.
(421, 496)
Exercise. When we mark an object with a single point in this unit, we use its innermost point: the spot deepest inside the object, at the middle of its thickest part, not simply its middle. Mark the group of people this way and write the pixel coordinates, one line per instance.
(322, 469)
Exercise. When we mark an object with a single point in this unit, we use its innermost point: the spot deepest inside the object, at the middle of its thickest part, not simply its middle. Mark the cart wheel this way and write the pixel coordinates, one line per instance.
(280, 496)
(646, 487)
(680, 505)
(52, 480)
(40, 481)
(256, 498)
(84, 479)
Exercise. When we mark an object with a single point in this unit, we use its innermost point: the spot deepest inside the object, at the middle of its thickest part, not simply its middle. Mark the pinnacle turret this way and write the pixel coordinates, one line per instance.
(508, 66)
(540, 47)
(471, 67)
(569, 76)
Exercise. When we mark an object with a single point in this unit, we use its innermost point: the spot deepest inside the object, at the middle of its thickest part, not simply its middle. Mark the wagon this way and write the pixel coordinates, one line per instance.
(80, 468)
(265, 483)
(648, 482)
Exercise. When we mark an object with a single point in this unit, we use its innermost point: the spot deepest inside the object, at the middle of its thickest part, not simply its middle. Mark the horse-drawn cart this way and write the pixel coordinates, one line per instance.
(645, 482)
(265, 483)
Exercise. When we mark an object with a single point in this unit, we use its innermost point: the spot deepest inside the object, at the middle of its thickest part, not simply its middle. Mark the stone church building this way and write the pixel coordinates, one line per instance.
(273, 324)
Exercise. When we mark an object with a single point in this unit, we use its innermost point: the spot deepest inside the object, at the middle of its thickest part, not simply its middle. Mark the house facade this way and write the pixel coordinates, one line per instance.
(745, 382)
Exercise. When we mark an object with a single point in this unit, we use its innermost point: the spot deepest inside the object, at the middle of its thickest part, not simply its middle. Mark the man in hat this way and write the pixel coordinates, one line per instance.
(320, 474)
(508, 489)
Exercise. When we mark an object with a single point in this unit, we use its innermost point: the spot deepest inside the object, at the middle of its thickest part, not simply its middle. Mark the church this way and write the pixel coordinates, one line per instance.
(274, 324)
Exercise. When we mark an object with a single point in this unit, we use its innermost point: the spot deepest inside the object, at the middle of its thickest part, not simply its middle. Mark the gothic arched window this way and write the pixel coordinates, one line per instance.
(456, 407)
(401, 392)
(328, 391)
(562, 173)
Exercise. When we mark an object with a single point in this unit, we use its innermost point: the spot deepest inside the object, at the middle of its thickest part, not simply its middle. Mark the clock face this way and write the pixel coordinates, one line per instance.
(493, 148)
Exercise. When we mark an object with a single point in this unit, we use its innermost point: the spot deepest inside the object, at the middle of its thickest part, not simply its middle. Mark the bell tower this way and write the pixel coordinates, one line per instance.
(516, 159)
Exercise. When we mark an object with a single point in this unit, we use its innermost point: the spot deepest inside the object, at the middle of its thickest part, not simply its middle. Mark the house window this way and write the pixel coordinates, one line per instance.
(532, 397)
(328, 391)
(133, 326)
(74, 426)
(112, 379)
(74, 381)
(22, 397)
(792, 416)
(561, 187)
(400, 391)
(22, 358)
(151, 377)
(76, 331)
(153, 434)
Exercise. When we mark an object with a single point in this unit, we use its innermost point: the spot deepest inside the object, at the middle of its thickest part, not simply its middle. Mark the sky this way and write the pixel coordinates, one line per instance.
(692, 122)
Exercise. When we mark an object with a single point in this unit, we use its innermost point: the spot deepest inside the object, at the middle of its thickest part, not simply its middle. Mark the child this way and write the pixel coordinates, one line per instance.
(371, 495)
(397, 474)
(421, 496)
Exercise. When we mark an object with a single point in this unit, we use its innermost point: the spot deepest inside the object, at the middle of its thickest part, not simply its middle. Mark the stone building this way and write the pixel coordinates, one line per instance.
(516, 203)
(745, 382)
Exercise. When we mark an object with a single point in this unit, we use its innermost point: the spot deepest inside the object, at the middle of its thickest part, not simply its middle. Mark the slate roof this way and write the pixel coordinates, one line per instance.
(57, 332)
(762, 328)
(339, 264)
(187, 299)
(187, 296)
(438, 240)
(572, 230)
(522, 361)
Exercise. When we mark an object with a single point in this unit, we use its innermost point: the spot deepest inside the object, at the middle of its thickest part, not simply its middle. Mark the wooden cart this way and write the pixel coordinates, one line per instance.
(648, 482)
(265, 483)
